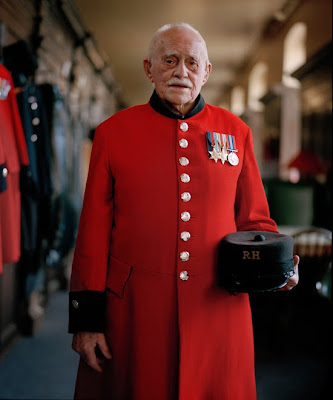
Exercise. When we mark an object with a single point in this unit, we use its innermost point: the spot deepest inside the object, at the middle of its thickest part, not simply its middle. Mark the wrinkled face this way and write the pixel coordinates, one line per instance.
(178, 67)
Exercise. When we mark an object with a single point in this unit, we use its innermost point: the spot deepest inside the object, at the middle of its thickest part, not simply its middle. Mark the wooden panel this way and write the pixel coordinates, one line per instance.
(17, 14)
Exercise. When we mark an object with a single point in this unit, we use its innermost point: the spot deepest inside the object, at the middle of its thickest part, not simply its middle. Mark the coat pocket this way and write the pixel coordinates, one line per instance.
(118, 276)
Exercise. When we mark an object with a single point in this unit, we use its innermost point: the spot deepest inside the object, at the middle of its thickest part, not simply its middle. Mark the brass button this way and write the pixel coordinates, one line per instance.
(184, 161)
(32, 99)
(184, 255)
(184, 126)
(186, 196)
(185, 178)
(185, 236)
(75, 303)
(185, 216)
(184, 276)
(183, 143)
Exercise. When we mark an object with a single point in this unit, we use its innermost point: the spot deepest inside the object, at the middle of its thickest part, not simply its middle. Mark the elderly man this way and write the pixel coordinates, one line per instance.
(149, 321)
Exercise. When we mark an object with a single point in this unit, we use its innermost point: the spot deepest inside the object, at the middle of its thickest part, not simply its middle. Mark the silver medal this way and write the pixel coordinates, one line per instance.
(233, 158)
(224, 155)
(214, 155)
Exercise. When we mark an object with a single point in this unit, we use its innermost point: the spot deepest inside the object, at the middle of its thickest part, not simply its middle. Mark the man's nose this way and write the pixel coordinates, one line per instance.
(181, 70)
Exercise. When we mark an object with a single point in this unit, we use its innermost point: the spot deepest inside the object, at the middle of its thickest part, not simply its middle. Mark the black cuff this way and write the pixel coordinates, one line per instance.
(86, 311)
(3, 175)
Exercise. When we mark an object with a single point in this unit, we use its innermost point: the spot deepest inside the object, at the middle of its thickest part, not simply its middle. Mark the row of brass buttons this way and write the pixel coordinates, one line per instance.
(186, 197)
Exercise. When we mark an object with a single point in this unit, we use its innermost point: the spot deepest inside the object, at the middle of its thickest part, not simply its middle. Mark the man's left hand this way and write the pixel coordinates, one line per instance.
(293, 281)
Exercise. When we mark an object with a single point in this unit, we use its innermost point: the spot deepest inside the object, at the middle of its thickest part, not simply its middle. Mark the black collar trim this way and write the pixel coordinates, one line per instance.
(160, 107)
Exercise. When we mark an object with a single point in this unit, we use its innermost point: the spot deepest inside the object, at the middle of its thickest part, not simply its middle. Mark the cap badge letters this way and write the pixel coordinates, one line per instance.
(222, 147)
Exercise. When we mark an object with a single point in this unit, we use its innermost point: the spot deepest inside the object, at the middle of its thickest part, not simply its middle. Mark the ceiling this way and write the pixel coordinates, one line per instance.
(123, 28)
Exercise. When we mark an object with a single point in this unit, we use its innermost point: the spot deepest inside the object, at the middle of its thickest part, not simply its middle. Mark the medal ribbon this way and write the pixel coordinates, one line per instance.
(210, 141)
(231, 143)
(217, 141)
(224, 138)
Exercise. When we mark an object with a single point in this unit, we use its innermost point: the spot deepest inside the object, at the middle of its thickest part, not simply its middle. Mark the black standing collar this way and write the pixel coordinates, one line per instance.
(161, 108)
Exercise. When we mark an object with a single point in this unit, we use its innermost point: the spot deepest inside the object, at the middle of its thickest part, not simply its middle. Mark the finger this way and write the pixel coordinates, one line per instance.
(282, 288)
(86, 352)
(75, 345)
(104, 348)
(295, 277)
(95, 364)
(90, 359)
(292, 282)
(296, 261)
(286, 287)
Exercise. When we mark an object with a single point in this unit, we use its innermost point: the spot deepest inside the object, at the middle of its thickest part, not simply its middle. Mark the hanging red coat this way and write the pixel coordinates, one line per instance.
(14, 154)
(3, 182)
(156, 206)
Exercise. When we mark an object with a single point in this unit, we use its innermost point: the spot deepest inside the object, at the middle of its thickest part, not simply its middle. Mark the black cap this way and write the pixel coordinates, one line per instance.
(253, 261)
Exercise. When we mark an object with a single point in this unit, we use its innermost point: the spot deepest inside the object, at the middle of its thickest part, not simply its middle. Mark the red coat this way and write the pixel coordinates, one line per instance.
(173, 335)
(13, 154)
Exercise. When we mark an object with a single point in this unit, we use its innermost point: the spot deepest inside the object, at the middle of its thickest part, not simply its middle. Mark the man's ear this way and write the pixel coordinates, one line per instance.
(207, 72)
(147, 68)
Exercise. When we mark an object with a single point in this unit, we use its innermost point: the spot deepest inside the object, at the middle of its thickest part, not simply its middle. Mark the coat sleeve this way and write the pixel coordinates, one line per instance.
(21, 145)
(89, 270)
(251, 207)
(3, 169)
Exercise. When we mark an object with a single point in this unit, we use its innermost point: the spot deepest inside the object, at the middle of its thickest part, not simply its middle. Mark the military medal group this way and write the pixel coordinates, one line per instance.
(222, 147)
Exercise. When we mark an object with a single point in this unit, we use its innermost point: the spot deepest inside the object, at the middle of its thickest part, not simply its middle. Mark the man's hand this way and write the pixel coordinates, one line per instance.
(293, 281)
(90, 345)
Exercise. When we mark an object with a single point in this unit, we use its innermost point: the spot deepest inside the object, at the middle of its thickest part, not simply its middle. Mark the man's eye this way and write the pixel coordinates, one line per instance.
(192, 65)
(168, 61)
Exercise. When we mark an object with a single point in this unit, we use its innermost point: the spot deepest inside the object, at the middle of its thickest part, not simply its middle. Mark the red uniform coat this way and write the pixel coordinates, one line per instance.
(173, 334)
(12, 155)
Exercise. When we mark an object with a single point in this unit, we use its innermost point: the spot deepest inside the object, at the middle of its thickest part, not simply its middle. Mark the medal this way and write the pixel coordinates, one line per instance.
(213, 146)
(222, 147)
(233, 158)
(224, 152)
(224, 155)
(214, 155)
(218, 145)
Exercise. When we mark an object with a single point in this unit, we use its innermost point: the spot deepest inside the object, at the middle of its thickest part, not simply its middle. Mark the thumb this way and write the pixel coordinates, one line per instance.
(296, 261)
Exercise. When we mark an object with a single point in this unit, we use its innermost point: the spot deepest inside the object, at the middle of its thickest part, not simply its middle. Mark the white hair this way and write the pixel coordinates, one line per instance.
(165, 28)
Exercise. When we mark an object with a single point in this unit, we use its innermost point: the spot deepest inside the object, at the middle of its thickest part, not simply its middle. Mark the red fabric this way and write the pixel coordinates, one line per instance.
(170, 339)
(13, 153)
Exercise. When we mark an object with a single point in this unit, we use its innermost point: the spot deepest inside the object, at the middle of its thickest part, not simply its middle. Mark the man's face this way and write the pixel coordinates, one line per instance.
(178, 67)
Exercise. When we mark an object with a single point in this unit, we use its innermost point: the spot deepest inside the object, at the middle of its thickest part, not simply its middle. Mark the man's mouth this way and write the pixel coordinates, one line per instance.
(178, 83)
(180, 86)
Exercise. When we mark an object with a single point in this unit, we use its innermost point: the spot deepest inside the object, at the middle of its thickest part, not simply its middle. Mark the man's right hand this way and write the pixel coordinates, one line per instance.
(88, 344)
